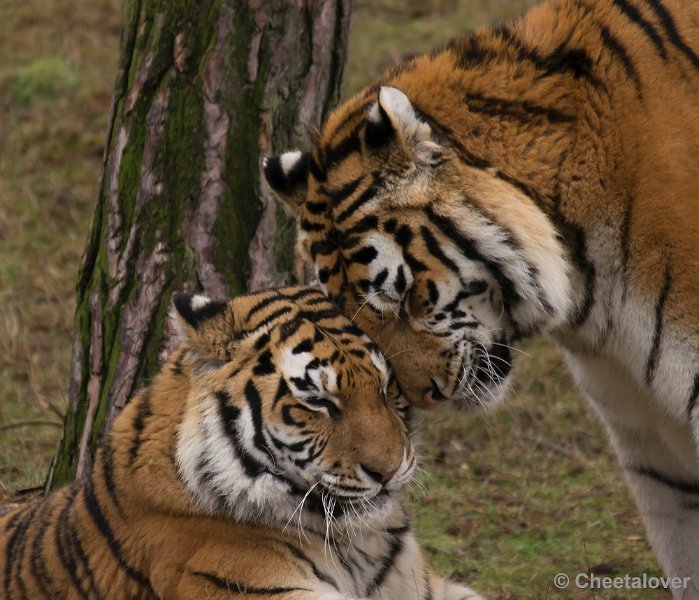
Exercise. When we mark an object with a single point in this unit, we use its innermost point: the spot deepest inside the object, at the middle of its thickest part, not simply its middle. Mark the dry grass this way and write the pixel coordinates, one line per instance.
(509, 500)
(57, 64)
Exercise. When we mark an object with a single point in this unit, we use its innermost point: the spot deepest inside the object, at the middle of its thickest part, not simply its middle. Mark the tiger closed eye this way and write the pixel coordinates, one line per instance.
(319, 402)
(477, 287)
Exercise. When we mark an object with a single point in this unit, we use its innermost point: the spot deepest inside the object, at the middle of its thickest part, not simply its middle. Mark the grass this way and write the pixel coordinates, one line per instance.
(505, 502)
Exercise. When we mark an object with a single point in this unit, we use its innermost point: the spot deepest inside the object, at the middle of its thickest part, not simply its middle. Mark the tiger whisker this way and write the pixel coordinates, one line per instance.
(366, 297)
(299, 509)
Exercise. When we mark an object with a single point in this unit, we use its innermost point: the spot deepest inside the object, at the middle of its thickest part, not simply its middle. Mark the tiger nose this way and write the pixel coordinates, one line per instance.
(380, 474)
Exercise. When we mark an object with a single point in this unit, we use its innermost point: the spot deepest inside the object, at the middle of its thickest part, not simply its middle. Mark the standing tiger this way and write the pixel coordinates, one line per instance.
(266, 460)
(536, 176)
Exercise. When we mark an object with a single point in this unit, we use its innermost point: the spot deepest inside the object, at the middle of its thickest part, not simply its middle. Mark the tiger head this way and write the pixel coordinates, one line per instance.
(291, 410)
(444, 263)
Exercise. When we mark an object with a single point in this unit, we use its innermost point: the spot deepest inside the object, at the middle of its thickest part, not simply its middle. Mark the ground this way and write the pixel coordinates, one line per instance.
(505, 501)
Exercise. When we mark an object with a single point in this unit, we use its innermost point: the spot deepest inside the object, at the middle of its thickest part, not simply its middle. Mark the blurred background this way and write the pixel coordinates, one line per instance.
(505, 501)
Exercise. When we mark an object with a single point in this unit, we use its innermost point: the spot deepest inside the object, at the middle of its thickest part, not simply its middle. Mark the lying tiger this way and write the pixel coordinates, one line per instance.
(266, 460)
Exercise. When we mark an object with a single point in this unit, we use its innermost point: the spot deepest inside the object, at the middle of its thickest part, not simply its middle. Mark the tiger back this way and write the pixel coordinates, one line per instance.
(267, 458)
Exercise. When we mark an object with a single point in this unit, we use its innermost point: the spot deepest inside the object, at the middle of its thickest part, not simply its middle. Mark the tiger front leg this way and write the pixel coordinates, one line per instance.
(410, 578)
(660, 462)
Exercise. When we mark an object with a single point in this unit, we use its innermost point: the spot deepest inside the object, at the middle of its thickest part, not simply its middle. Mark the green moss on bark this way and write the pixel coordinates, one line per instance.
(164, 49)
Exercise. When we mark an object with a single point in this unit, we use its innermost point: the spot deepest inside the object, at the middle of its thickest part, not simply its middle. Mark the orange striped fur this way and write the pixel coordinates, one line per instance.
(541, 175)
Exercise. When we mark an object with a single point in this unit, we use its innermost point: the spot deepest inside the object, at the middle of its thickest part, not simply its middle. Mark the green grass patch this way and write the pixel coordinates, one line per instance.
(43, 79)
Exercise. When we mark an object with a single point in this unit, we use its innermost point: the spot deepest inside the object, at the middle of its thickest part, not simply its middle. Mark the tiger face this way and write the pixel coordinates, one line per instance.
(291, 411)
(443, 264)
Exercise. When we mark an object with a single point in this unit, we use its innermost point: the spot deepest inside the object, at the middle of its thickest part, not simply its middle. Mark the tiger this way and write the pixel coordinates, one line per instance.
(267, 459)
(535, 176)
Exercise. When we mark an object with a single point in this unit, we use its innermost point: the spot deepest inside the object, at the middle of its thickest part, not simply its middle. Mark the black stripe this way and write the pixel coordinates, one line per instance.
(107, 460)
(316, 208)
(12, 521)
(323, 247)
(76, 549)
(686, 487)
(307, 225)
(233, 587)
(518, 110)
(229, 414)
(14, 549)
(139, 422)
(99, 519)
(571, 61)
(617, 48)
(577, 243)
(317, 170)
(302, 293)
(654, 354)
(262, 304)
(470, 52)
(363, 198)
(252, 397)
(324, 274)
(360, 111)
(298, 553)
(62, 537)
(284, 310)
(364, 255)
(37, 561)
(403, 236)
(468, 248)
(634, 15)
(177, 365)
(303, 346)
(288, 329)
(434, 248)
(395, 546)
(337, 154)
(367, 223)
(320, 315)
(282, 390)
(339, 195)
(691, 405)
(670, 28)
(261, 342)
(265, 364)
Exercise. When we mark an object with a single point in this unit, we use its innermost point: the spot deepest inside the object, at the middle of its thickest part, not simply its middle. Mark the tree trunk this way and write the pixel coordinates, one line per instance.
(204, 88)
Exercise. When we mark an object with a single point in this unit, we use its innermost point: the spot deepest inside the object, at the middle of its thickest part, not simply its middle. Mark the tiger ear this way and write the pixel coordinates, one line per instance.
(206, 325)
(287, 175)
(392, 119)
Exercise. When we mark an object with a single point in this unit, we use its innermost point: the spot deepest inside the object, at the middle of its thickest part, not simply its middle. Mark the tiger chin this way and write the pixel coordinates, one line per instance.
(267, 459)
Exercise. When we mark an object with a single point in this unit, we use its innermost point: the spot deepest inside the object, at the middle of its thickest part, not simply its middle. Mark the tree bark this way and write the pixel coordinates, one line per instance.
(204, 88)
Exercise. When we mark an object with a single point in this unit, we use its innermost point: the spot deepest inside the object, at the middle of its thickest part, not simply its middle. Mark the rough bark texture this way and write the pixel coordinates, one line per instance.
(204, 88)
